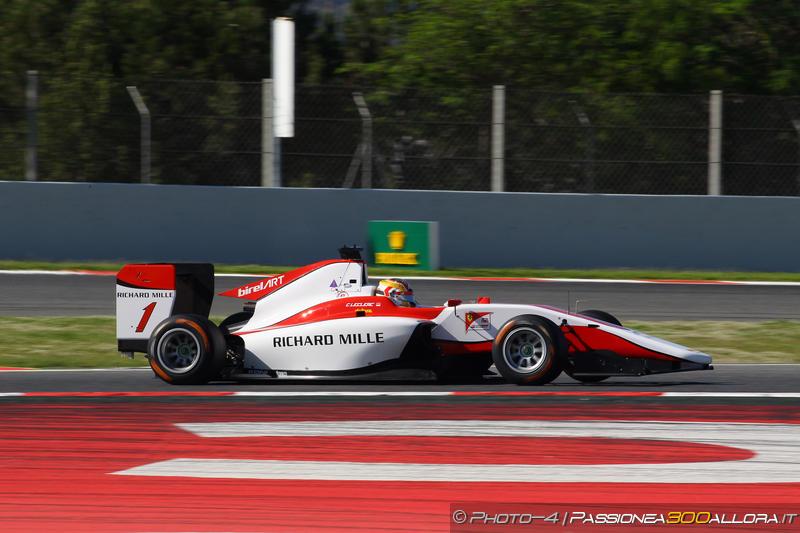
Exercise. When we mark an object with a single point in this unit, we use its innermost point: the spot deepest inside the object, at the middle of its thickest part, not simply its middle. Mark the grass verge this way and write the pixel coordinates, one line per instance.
(60, 342)
(87, 342)
(612, 273)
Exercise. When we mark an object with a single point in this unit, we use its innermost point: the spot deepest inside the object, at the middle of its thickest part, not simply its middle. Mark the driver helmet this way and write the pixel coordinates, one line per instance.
(398, 291)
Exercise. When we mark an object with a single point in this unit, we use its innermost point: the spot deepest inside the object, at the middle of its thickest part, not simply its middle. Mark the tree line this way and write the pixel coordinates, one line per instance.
(86, 50)
(749, 46)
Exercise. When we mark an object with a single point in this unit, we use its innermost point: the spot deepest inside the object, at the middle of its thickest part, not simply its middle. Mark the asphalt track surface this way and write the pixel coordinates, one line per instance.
(723, 379)
(329, 456)
(53, 295)
(176, 464)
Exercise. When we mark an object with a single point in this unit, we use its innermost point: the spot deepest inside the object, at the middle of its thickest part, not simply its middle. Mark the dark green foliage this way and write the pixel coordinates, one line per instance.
(430, 65)
(87, 51)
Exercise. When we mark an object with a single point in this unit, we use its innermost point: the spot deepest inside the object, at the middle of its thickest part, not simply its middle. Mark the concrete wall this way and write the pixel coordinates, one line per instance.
(78, 221)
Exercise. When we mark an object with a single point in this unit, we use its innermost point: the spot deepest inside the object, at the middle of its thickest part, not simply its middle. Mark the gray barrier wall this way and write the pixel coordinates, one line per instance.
(81, 221)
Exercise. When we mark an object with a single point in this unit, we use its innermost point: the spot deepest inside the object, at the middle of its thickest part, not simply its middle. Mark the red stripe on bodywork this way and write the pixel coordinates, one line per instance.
(585, 338)
(154, 277)
(358, 306)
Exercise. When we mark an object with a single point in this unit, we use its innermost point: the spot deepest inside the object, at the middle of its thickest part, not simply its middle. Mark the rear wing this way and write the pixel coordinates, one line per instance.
(147, 294)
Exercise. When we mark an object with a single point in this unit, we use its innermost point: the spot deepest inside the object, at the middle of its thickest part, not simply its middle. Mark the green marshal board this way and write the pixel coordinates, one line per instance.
(404, 244)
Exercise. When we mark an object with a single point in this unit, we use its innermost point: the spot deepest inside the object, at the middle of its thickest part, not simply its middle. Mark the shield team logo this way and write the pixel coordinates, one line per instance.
(474, 320)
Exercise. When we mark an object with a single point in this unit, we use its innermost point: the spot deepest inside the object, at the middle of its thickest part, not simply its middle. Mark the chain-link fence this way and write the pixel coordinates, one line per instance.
(644, 144)
(88, 129)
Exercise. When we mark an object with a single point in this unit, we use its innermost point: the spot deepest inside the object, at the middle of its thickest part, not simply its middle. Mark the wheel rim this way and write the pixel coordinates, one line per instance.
(525, 350)
(178, 351)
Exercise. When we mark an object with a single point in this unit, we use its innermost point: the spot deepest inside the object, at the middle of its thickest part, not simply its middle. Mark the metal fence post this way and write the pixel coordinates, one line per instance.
(588, 166)
(144, 117)
(366, 140)
(715, 143)
(31, 104)
(796, 124)
(267, 136)
(498, 137)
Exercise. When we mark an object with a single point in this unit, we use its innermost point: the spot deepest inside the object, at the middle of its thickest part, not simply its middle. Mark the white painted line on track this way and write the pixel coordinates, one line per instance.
(776, 456)
(731, 394)
(340, 393)
(756, 364)
(51, 273)
(601, 281)
(506, 393)
(610, 429)
(461, 279)
(515, 392)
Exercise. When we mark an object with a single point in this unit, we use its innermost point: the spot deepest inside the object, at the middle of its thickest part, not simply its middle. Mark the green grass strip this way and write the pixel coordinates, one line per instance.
(90, 342)
(60, 342)
(614, 273)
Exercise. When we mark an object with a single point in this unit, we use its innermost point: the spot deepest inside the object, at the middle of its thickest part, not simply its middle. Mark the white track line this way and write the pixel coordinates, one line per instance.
(545, 394)
(463, 279)
(340, 393)
(731, 394)
(54, 273)
(776, 456)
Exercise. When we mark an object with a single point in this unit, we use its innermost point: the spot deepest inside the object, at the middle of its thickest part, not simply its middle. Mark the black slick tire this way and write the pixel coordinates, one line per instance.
(186, 350)
(526, 351)
(601, 315)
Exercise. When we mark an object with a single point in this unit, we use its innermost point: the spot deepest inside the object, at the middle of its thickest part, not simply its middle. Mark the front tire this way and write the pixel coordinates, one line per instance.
(601, 315)
(526, 351)
(186, 350)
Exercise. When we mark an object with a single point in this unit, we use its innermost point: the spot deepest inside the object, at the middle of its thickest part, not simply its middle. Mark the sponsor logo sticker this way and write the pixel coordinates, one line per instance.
(269, 283)
(327, 340)
(477, 321)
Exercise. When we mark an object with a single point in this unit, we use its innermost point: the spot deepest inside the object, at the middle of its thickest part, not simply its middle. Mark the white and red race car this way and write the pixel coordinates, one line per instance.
(325, 320)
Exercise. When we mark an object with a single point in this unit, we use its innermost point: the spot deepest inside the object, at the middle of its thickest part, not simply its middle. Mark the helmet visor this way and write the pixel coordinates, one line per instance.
(407, 298)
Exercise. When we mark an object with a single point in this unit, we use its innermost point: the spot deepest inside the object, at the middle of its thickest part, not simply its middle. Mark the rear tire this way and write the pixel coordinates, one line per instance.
(526, 351)
(186, 350)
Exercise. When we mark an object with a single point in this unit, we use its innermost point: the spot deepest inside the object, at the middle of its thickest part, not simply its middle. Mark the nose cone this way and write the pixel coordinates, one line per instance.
(698, 357)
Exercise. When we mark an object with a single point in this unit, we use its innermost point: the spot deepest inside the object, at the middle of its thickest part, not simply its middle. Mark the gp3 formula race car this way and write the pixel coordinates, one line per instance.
(325, 320)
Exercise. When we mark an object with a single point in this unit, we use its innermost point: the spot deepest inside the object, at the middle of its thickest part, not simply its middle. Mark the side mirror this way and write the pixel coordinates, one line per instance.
(350, 252)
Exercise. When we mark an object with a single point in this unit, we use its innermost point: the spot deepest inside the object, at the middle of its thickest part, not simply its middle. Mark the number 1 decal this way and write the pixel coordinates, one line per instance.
(148, 311)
